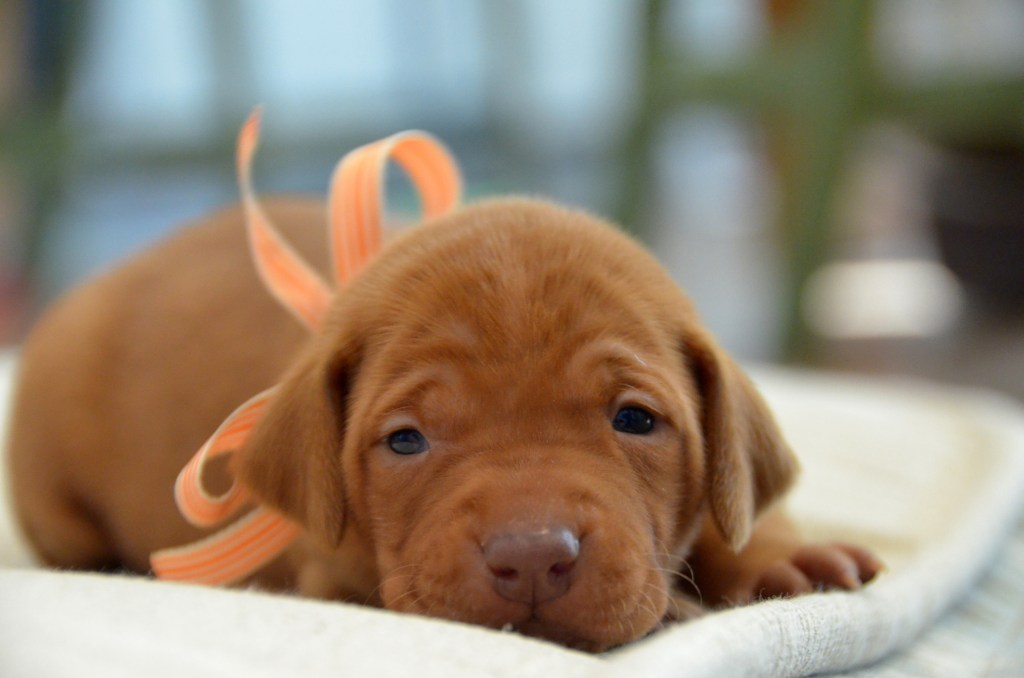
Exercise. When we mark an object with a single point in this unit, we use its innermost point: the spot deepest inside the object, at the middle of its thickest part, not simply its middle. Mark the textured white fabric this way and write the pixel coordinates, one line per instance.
(62, 624)
(931, 478)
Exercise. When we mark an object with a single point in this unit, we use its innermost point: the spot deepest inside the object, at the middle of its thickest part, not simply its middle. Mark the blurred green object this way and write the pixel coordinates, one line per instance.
(34, 140)
(815, 86)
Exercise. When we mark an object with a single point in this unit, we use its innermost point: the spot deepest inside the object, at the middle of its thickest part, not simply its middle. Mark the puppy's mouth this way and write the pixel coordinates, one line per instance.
(577, 623)
(573, 624)
(537, 624)
(536, 627)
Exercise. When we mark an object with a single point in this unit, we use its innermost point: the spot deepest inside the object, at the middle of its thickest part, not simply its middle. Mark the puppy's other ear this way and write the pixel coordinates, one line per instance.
(292, 459)
(748, 462)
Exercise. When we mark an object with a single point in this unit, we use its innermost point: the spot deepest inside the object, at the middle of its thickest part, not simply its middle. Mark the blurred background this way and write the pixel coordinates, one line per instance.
(837, 184)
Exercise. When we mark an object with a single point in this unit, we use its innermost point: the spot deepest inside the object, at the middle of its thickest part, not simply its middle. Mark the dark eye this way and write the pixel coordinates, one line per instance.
(408, 441)
(633, 420)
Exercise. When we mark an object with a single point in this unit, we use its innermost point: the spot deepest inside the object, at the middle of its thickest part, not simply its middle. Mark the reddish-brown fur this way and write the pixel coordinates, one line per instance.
(509, 333)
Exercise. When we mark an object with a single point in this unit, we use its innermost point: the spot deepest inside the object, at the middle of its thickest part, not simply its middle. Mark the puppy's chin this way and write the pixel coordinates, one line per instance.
(588, 637)
(586, 629)
(608, 606)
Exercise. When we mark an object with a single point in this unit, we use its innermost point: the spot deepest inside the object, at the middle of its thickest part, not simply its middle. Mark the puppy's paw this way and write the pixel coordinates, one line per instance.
(817, 567)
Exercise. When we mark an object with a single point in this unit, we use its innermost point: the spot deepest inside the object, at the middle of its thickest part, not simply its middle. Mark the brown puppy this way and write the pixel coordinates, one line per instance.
(512, 416)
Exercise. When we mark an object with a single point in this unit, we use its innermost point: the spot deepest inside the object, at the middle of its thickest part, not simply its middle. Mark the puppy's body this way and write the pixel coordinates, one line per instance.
(510, 337)
(126, 376)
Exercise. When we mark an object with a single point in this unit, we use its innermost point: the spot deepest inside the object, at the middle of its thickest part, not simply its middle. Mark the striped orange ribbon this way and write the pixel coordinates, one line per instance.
(355, 214)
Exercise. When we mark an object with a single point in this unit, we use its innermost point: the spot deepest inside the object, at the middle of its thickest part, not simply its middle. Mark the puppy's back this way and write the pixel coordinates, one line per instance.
(125, 376)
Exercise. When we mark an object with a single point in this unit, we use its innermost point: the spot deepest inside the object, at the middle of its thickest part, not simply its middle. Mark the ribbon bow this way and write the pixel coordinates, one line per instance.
(355, 209)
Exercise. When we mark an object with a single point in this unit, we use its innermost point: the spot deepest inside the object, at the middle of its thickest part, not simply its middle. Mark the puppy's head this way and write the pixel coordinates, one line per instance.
(517, 411)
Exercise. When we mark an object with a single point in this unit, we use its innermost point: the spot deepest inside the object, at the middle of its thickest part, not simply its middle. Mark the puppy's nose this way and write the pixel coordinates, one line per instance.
(532, 567)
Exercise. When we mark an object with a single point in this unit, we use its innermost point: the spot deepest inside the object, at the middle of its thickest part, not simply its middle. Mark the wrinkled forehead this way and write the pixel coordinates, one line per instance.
(510, 270)
(523, 315)
(466, 372)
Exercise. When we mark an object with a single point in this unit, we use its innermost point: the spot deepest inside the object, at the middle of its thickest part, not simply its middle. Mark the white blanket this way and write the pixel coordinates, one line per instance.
(931, 478)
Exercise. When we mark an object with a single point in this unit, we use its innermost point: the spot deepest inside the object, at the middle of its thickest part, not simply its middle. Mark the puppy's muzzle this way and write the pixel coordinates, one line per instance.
(532, 566)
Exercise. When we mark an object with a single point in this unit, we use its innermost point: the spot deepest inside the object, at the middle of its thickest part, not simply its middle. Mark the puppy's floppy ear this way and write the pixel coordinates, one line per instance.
(292, 460)
(748, 463)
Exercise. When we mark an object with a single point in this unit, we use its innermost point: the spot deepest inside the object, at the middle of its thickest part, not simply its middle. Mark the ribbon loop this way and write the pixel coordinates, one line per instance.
(198, 506)
(356, 207)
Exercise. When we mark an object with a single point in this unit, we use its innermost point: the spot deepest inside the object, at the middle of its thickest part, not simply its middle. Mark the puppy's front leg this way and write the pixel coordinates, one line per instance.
(775, 562)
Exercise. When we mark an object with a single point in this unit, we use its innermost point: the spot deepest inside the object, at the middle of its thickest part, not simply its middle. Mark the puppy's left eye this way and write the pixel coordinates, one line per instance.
(408, 441)
(634, 420)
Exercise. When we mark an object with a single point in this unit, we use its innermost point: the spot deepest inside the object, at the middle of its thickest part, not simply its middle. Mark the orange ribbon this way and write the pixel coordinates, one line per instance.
(355, 213)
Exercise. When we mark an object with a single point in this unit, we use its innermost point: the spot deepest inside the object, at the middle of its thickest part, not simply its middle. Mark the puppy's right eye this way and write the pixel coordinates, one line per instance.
(408, 441)
(633, 420)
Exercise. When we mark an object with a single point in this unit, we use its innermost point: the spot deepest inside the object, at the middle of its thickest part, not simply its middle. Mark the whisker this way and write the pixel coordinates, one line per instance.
(396, 574)
(649, 605)
(689, 577)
